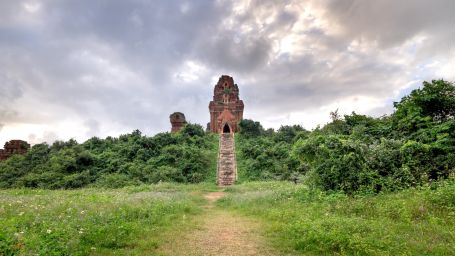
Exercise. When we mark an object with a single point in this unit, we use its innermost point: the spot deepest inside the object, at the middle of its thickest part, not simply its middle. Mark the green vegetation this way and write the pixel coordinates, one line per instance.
(356, 186)
(355, 154)
(411, 222)
(94, 221)
(142, 220)
(132, 159)
(359, 154)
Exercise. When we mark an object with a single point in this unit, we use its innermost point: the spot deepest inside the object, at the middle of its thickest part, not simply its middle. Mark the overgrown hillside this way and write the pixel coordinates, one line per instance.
(356, 153)
(187, 157)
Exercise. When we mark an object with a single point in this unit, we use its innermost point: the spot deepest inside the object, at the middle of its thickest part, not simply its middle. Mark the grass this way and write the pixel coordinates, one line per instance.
(139, 220)
(411, 222)
(94, 221)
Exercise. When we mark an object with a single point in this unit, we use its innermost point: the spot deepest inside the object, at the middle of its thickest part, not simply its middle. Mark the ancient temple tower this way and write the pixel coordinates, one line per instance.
(177, 121)
(226, 109)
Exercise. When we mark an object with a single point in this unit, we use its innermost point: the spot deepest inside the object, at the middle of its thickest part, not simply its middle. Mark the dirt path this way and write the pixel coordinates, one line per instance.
(219, 232)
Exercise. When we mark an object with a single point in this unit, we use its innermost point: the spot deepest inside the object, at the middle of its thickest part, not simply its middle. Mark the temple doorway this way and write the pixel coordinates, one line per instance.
(226, 128)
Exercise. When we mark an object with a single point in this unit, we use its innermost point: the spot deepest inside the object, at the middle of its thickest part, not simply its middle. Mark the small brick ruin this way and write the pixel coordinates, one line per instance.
(226, 109)
(177, 121)
(13, 147)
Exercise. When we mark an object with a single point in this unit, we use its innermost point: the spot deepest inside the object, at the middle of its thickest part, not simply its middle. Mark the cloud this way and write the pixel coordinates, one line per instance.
(93, 127)
(391, 23)
(83, 68)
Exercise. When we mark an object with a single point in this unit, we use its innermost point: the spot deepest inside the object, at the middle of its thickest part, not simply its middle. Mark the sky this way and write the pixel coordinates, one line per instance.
(78, 69)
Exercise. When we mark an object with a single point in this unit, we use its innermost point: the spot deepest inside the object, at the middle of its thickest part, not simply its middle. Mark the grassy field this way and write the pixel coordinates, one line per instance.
(94, 221)
(412, 222)
(294, 220)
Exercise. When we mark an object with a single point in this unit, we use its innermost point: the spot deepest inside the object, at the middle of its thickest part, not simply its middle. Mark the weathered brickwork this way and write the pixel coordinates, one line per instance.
(226, 108)
(14, 147)
(177, 121)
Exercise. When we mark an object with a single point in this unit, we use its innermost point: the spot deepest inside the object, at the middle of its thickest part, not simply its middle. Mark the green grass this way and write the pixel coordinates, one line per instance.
(411, 222)
(94, 221)
(136, 220)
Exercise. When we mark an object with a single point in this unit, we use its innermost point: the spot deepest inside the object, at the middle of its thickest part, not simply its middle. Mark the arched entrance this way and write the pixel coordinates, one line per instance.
(226, 128)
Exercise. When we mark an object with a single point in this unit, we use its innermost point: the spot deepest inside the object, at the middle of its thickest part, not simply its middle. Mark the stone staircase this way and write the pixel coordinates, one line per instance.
(227, 166)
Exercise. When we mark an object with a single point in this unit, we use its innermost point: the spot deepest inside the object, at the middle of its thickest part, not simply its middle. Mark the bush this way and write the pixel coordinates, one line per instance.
(188, 156)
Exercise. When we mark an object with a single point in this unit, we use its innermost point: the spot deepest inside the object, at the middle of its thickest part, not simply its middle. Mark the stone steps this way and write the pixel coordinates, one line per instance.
(227, 167)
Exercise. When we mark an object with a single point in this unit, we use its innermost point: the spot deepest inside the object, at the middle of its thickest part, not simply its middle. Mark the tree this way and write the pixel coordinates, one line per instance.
(193, 130)
(250, 128)
(434, 102)
(287, 133)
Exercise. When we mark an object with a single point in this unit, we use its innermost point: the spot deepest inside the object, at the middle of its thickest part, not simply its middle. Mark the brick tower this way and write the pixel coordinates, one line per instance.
(177, 121)
(226, 109)
(14, 147)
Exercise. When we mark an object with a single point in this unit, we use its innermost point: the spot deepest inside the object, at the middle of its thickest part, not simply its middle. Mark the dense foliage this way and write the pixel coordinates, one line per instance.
(187, 156)
(413, 146)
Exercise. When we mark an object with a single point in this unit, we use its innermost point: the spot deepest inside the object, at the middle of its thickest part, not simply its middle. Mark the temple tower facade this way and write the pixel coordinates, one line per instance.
(226, 108)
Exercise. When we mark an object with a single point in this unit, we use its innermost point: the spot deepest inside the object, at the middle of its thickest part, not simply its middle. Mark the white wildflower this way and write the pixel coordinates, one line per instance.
(49, 231)
(21, 213)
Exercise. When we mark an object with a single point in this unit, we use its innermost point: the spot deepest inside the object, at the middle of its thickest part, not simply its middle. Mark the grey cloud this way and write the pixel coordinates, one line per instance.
(150, 51)
(392, 22)
(93, 128)
(234, 50)
(47, 136)
(11, 87)
(50, 136)
(8, 115)
(10, 90)
(244, 56)
(115, 63)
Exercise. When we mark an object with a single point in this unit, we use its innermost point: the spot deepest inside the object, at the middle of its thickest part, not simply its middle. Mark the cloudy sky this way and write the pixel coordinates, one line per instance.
(77, 69)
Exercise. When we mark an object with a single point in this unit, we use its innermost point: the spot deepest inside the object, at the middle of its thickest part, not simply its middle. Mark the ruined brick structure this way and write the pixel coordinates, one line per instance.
(14, 147)
(177, 121)
(226, 109)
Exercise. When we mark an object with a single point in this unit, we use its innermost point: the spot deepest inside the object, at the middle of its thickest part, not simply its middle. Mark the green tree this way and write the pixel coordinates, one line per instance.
(434, 102)
(250, 128)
